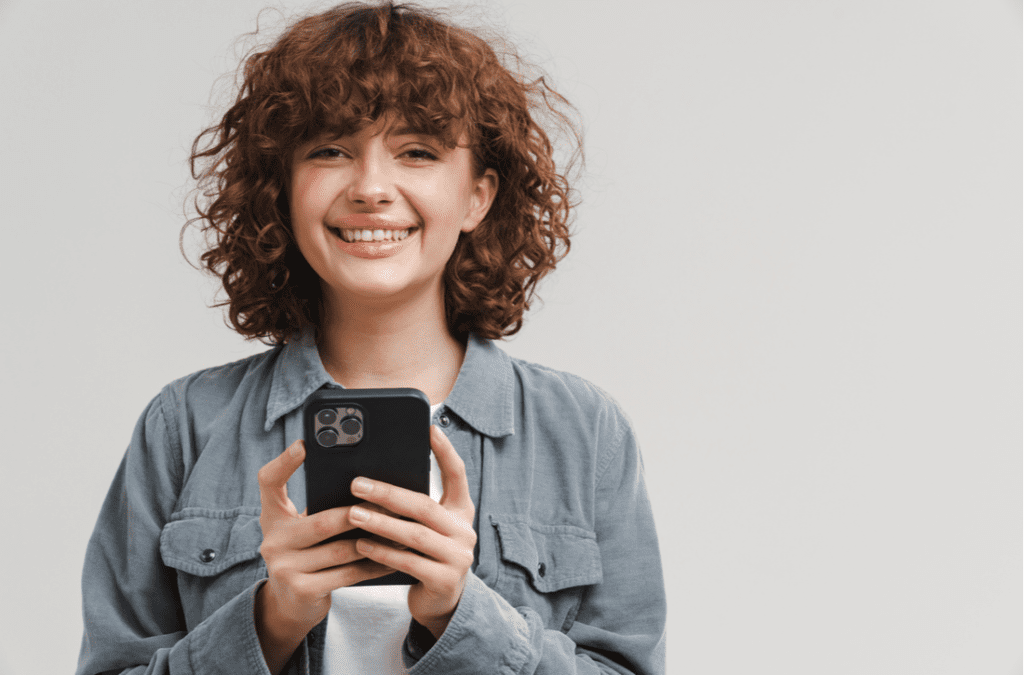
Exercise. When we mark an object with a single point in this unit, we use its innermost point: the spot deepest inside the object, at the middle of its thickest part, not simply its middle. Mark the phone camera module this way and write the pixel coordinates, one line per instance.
(351, 426)
(326, 417)
(327, 438)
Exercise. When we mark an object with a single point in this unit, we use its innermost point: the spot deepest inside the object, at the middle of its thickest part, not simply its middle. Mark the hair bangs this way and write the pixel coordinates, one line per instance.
(396, 68)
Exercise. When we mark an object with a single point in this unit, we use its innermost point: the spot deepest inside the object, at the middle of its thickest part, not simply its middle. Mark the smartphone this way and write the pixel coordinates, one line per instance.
(383, 434)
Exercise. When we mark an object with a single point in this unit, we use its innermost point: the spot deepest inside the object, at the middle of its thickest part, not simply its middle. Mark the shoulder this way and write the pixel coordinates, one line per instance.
(541, 382)
(214, 388)
(179, 420)
(195, 405)
(568, 404)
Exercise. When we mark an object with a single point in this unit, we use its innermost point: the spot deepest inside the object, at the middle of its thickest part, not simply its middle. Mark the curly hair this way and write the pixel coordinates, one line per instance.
(338, 72)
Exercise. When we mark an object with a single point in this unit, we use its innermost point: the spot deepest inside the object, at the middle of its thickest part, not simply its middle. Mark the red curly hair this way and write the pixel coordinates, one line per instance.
(338, 72)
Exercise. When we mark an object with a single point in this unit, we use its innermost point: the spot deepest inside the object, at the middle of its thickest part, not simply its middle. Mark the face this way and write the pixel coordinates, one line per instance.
(377, 216)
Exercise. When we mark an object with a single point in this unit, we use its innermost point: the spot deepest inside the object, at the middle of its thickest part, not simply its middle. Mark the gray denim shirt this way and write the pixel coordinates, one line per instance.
(567, 575)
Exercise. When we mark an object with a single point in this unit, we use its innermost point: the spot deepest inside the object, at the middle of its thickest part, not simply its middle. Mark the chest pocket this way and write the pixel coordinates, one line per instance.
(546, 567)
(216, 555)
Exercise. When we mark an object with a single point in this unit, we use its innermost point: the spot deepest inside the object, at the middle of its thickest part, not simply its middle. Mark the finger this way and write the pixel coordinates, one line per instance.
(430, 572)
(353, 573)
(379, 509)
(414, 505)
(416, 536)
(323, 556)
(273, 480)
(385, 540)
(453, 471)
(313, 530)
(323, 582)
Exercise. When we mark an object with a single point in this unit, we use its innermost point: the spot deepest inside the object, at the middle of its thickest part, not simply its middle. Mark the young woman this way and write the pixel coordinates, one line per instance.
(381, 203)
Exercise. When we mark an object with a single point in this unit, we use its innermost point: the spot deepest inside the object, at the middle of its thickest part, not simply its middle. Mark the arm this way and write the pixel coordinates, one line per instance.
(620, 625)
(133, 616)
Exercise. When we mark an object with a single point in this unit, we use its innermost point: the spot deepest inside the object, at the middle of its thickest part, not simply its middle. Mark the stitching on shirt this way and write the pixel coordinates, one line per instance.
(507, 665)
(254, 651)
(570, 616)
(174, 440)
(614, 449)
(188, 653)
(565, 582)
(220, 514)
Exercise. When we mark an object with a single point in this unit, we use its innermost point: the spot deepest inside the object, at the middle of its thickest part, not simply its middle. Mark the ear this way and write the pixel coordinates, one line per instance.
(485, 188)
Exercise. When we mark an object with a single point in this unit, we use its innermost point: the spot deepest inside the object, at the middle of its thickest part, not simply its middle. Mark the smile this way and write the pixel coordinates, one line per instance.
(353, 235)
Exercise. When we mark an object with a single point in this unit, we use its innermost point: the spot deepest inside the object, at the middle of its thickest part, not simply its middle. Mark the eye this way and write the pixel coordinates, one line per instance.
(420, 154)
(326, 153)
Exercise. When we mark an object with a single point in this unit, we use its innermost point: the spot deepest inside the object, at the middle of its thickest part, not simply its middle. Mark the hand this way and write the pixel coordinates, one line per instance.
(441, 538)
(302, 571)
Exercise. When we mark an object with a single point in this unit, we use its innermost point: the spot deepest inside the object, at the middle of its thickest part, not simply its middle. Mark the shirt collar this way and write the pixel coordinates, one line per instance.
(297, 374)
(482, 395)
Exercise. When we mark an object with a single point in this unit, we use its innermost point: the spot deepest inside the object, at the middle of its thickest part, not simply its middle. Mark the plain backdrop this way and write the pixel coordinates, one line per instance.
(797, 267)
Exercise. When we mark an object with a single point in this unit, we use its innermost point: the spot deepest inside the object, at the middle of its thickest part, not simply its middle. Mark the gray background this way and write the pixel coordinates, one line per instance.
(798, 268)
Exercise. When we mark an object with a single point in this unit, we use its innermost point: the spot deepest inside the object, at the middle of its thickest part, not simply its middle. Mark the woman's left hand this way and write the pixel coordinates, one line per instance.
(441, 537)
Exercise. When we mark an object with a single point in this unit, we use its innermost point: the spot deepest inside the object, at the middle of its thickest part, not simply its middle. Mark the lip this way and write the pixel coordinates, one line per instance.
(371, 221)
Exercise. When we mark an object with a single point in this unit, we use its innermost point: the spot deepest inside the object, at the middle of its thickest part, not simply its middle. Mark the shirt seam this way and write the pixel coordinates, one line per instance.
(174, 441)
(255, 650)
(615, 447)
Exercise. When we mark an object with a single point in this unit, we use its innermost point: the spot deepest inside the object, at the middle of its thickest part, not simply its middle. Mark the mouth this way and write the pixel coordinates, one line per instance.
(371, 235)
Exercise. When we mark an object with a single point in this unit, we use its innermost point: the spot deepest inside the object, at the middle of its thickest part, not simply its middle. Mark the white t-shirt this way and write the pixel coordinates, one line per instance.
(366, 625)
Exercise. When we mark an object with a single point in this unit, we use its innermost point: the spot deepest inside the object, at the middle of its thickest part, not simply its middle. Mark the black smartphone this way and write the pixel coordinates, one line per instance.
(383, 434)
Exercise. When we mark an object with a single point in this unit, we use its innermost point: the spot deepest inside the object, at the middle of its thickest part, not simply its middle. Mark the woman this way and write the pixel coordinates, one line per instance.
(382, 203)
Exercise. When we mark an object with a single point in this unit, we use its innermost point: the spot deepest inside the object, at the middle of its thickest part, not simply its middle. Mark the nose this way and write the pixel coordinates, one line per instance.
(372, 185)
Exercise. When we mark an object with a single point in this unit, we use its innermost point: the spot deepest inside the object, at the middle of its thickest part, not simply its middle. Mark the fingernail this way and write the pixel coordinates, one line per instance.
(361, 486)
(294, 450)
(358, 514)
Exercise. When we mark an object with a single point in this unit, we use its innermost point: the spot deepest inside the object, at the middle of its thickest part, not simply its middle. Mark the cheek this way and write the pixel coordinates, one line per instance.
(311, 194)
(447, 206)
(307, 216)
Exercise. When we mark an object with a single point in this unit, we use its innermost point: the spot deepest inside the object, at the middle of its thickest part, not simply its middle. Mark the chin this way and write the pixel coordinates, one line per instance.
(388, 288)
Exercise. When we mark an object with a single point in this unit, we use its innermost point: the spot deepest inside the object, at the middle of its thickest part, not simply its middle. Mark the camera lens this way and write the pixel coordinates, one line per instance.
(351, 426)
(326, 417)
(327, 438)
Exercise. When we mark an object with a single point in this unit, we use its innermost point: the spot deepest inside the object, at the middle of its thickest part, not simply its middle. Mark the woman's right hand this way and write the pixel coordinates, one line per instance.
(302, 571)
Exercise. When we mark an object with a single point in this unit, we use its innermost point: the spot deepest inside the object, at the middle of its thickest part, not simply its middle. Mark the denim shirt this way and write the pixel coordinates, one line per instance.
(567, 574)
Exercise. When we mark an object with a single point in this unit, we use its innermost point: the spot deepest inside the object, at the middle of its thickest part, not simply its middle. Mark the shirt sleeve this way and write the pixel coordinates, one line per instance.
(133, 618)
(620, 625)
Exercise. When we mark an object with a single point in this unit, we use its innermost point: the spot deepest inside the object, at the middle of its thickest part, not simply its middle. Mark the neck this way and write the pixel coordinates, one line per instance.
(366, 345)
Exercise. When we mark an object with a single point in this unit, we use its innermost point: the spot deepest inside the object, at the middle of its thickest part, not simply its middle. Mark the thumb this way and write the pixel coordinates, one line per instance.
(273, 480)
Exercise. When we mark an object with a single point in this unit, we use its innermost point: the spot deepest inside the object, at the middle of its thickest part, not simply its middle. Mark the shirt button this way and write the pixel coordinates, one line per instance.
(541, 569)
(208, 555)
(444, 420)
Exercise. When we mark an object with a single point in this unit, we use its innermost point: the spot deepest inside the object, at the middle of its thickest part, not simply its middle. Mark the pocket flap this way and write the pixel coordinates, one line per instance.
(554, 556)
(208, 544)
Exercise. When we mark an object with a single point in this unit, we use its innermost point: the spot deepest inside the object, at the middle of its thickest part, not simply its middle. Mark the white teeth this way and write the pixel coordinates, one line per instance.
(374, 235)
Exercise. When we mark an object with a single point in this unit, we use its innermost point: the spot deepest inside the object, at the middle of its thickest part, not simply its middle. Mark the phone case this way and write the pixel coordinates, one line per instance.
(382, 434)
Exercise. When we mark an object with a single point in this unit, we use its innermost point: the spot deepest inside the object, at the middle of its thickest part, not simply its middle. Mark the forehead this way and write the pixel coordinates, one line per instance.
(392, 127)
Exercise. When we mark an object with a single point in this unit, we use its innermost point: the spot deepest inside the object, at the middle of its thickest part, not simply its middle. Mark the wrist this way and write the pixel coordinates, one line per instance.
(437, 626)
(279, 636)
